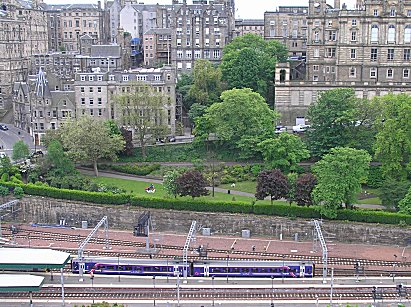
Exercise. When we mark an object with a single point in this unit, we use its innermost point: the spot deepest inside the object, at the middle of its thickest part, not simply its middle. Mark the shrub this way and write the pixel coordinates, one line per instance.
(392, 192)
(18, 192)
(4, 191)
(4, 177)
(375, 177)
(135, 169)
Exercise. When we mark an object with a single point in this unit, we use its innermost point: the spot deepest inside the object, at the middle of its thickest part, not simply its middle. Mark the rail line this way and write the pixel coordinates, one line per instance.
(167, 293)
(237, 254)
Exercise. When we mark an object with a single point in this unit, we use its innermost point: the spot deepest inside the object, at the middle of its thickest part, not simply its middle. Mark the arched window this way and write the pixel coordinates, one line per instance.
(407, 34)
(391, 34)
(282, 75)
(374, 33)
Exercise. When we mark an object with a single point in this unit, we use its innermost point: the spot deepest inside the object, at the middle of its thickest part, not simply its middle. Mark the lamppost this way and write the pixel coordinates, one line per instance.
(272, 290)
(228, 257)
(212, 281)
(154, 287)
(178, 288)
(282, 270)
(395, 268)
(92, 283)
(118, 266)
(167, 270)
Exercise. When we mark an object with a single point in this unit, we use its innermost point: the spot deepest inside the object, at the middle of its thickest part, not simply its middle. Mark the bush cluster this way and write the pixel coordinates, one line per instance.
(359, 215)
(135, 169)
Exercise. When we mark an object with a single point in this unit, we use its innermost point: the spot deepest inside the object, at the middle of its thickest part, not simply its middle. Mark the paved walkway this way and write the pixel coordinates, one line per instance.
(216, 189)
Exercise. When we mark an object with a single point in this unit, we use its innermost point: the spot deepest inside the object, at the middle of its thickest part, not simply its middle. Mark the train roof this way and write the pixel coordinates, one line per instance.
(159, 262)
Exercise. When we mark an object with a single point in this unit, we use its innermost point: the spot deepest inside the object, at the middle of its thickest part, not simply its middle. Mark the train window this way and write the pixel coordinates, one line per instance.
(235, 270)
(245, 270)
(264, 270)
(156, 269)
(254, 270)
(215, 270)
(128, 268)
(110, 267)
(147, 269)
(120, 268)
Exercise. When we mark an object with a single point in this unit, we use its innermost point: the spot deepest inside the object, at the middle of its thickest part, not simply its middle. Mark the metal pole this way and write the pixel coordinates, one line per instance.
(31, 299)
(228, 257)
(178, 289)
(212, 281)
(395, 268)
(118, 266)
(282, 271)
(272, 290)
(62, 286)
(92, 285)
(167, 270)
(332, 285)
(154, 286)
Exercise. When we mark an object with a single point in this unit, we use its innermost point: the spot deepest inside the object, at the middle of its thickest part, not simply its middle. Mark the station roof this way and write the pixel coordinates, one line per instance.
(32, 258)
(20, 283)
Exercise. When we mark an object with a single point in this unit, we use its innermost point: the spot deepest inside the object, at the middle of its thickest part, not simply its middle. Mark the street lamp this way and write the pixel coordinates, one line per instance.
(92, 283)
(282, 271)
(228, 257)
(212, 281)
(154, 286)
(395, 268)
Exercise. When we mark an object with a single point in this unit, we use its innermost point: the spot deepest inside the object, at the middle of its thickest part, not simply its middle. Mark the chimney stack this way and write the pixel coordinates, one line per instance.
(337, 4)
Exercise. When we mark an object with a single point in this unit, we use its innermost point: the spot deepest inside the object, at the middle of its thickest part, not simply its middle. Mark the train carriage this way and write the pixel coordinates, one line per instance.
(210, 268)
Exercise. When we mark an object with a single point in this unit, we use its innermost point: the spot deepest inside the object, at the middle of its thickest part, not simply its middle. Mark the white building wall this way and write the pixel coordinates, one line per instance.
(129, 20)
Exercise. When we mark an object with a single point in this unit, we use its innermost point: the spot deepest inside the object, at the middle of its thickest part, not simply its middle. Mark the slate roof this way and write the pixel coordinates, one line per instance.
(105, 51)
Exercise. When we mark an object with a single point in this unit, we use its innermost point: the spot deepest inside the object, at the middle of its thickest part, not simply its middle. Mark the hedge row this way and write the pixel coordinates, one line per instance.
(359, 215)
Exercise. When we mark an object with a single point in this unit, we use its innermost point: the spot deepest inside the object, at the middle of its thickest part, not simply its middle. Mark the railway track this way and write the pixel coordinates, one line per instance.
(167, 293)
(401, 267)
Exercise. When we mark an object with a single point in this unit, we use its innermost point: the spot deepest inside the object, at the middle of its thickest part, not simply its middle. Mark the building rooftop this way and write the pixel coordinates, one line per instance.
(20, 283)
(31, 258)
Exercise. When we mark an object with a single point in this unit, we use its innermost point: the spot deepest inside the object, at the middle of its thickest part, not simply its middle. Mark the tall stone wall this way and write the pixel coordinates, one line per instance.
(51, 211)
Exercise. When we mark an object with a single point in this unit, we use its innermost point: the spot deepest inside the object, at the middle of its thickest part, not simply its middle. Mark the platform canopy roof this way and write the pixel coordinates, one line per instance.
(20, 283)
(32, 258)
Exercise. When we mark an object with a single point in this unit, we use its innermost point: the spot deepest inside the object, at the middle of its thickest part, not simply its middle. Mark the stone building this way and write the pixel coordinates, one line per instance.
(367, 49)
(67, 23)
(23, 32)
(245, 26)
(288, 25)
(39, 104)
(157, 47)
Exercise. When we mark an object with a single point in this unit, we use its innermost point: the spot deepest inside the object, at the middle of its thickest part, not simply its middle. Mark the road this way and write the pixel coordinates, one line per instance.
(10, 137)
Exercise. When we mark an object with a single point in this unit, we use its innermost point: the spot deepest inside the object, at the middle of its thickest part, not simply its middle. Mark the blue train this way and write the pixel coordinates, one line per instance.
(205, 268)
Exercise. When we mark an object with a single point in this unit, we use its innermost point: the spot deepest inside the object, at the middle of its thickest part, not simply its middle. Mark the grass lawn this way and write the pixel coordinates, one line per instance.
(138, 188)
(244, 186)
(370, 201)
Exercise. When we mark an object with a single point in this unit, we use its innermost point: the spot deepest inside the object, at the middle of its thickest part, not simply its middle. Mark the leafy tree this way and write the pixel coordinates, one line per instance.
(331, 117)
(18, 192)
(405, 204)
(393, 140)
(88, 140)
(249, 62)
(170, 182)
(20, 150)
(339, 175)
(292, 179)
(241, 121)
(207, 86)
(58, 162)
(272, 183)
(112, 125)
(392, 192)
(196, 110)
(184, 84)
(143, 109)
(191, 183)
(284, 151)
(303, 188)
(6, 166)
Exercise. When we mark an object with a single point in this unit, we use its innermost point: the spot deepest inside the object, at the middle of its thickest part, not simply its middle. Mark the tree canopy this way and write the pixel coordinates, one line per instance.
(20, 150)
(191, 183)
(58, 162)
(339, 176)
(272, 183)
(284, 151)
(241, 121)
(393, 140)
(88, 140)
(336, 120)
(249, 62)
(144, 110)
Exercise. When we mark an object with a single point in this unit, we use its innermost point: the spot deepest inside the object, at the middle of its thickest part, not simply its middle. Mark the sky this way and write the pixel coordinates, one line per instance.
(245, 9)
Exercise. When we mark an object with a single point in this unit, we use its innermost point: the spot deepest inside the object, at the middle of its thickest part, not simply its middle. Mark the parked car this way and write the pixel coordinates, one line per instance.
(300, 128)
(4, 127)
(279, 129)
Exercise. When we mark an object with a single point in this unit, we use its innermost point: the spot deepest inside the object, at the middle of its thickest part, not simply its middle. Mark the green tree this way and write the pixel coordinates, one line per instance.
(332, 118)
(112, 125)
(405, 204)
(60, 165)
(393, 140)
(392, 192)
(184, 84)
(20, 150)
(196, 110)
(249, 62)
(88, 140)
(170, 182)
(241, 121)
(339, 176)
(284, 151)
(207, 86)
(303, 189)
(143, 109)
